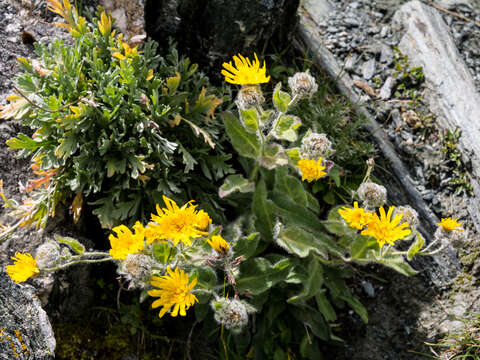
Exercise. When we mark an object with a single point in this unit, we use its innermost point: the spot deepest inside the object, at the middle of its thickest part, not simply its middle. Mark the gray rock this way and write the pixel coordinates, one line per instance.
(386, 55)
(351, 22)
(386, 90)
(384, 31)
(451, 4)
(368, 69)
(25, 331)
(350, 62)
(453, 97)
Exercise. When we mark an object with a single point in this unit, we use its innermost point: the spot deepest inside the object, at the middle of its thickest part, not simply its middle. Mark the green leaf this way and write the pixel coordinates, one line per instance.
(206, 277)
(290, 186)
(361, 245)
(398, 264)
(325, 307)
(296, 214)
(334, 174)
(74, 244)
(286, 128)
(245, 143)
(416, 246)
(311, 286)
(162, 252)
(293, 154)
(246, 245)
(187, 158)
(273, 156)
(263, 209)
(235, 183)
(250, 119)
(281, 99)
(257, 275)
(297, 241)
(356, 306)
(336, 225)
(68, 145)
(314, 320)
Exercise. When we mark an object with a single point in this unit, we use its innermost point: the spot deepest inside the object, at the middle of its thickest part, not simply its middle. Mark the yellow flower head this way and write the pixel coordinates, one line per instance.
(126, 242)
(450, 224)
(129, 52)
(311, 169)
(105, 24)
(386, 230)
(245, 72)
(218, 244)
(357, 217)
(177, 224)
(24, 267)
(173, 290)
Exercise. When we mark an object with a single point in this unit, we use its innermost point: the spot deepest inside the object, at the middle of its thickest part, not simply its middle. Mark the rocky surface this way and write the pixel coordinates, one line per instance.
(214, 30)
(356, 43)
(25, 331)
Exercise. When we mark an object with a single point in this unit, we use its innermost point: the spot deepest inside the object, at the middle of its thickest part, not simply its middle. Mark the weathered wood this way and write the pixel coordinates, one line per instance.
(452, 95)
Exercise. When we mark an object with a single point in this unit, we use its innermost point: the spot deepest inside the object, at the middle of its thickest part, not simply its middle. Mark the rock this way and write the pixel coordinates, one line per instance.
(212, 31)
(368, 69)
(386, 90)
(25, 331)
(452, 4)
(128, 14)
(386, 55)
(453, 97)
(350, 62)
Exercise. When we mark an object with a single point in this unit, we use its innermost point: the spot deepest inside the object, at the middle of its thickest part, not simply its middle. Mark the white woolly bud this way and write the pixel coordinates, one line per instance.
(372, 195)
(136, 268)
(315, 146)
(249, 96)
(48, 255)
(302, 84)
(409, 215)
(233, 314)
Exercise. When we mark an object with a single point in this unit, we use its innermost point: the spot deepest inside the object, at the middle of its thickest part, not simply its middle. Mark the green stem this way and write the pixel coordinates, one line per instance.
(85, 261)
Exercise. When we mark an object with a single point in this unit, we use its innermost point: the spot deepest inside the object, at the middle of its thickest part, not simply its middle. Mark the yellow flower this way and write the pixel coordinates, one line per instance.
(149, 75)
(246, 72)
(126, 242)
(218, 244)
(177, 224)
(357, 217)
(311, 169)
(173, 290)
(105, 24)
(386, 230)
(129, 52)
(24, 267)
(450, 224)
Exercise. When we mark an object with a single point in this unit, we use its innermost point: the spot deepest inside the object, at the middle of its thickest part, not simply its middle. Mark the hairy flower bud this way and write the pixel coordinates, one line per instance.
(48, 255)
(136, 268)
(315, 146)
(249, 96)
(302, 84)
(455, 238)
(372, 195)
(408, 213)
(233, 314)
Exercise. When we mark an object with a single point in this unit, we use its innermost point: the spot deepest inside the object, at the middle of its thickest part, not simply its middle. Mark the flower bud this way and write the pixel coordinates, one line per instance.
(372, 195)
(232, 314)
(249, 96)
(455, 238)
(48, 255)
(409, 215)
(302, 84)
(315, 146)
(136, 268)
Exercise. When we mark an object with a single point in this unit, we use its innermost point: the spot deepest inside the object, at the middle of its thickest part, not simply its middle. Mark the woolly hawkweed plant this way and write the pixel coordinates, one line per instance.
(115, 126)
(286, 253)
